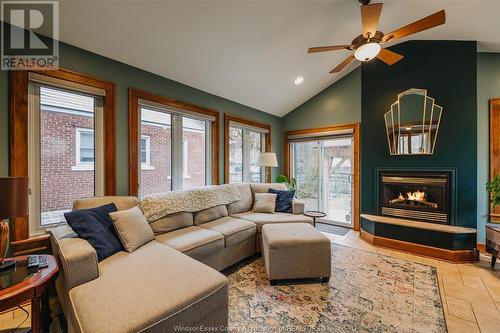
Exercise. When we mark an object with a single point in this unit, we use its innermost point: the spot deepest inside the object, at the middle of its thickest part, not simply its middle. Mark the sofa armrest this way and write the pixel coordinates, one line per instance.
(77, 257)
(297, 207)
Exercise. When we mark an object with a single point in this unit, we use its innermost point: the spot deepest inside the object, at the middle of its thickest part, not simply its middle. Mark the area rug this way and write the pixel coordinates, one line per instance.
(367, 292)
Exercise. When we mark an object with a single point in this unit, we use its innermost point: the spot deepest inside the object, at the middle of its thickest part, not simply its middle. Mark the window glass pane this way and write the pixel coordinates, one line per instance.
(194, 153)
(255, 148)
(156, 178)
(306, 172)
(235, 155)
(145, 150)
(66, 171)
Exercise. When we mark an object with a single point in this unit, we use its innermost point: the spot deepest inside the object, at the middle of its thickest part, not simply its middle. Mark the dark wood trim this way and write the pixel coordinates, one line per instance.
(19, 131)
(35, 244)
(494, 213)
(356, 151)
(227, 119)
(456, 256)
(133, 101)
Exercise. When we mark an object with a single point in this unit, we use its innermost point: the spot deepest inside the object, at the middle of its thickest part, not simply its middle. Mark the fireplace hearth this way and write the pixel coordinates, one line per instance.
(418, 195)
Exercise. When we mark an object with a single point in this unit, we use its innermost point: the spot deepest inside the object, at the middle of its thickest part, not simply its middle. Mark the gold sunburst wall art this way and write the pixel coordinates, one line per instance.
(412, 123)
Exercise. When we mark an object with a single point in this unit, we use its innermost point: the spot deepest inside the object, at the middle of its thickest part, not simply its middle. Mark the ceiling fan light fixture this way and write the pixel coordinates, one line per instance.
(367, 52)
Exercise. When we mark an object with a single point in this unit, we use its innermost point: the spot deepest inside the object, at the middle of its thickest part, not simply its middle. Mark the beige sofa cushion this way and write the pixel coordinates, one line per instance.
(261, 219)
(234, 230)
(264, 203)
(245, 203)
(121, 202)
(264, 187)
(172, 222)
(132, 228)
(142, 290)
(193, 241)
(210, 214)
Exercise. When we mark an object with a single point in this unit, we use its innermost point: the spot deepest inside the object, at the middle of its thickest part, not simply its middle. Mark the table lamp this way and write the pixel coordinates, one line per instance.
(13, 203)
(267, 160)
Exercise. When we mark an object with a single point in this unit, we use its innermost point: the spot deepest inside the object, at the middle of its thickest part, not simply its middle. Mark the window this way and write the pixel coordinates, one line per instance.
(244, 142)
(66, 150)
(45, 151)
(175, 144)
(84, 149)
(145, 153)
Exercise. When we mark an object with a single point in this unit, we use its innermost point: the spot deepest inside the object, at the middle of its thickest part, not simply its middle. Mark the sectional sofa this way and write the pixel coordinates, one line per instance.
(169, 284)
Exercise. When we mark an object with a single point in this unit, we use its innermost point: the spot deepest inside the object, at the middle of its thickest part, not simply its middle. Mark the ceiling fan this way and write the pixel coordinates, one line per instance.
(368, 45)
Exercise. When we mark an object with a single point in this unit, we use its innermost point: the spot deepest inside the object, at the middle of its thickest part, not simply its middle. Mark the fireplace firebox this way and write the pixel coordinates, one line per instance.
(418, 195)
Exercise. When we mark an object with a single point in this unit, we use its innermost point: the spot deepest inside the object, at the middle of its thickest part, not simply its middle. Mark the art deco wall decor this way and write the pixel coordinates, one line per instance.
(412, 123)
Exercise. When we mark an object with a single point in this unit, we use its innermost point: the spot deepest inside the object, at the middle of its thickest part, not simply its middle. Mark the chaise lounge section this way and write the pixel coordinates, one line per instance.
(172, 281)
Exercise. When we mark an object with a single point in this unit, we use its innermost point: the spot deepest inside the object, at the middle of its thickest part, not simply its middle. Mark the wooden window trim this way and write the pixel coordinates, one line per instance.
(494, 213)
(245, 121)
(356, 131)
(19, 131)
(133, 127)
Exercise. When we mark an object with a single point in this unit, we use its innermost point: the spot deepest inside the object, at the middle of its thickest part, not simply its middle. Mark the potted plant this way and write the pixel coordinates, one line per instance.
(284, 179)
(493, 187)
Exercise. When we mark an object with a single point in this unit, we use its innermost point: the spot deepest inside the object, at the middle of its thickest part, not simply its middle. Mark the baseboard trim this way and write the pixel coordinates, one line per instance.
(456, 256)
(481, 247)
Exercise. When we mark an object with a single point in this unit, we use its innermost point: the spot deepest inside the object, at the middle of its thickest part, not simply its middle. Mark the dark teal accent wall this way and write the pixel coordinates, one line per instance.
(488, 86)
(447, 69)
(339, 103)
(125, 76)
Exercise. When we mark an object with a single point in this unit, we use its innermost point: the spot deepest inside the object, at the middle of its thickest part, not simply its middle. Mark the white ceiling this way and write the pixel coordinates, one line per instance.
(251, 51)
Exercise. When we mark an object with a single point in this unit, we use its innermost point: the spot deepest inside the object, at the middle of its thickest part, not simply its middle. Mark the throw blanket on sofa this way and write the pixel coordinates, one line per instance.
(160, 205)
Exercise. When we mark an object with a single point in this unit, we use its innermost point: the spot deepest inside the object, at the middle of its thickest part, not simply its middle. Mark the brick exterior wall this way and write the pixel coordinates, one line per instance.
(61, 184)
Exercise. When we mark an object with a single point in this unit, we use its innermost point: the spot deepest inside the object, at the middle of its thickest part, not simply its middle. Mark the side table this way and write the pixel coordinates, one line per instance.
(314, 214)
(22, 284)
(493, 241)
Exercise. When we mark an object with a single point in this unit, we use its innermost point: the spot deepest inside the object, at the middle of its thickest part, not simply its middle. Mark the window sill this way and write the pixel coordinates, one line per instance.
(147, 167)
(183, 176)
(82, 167)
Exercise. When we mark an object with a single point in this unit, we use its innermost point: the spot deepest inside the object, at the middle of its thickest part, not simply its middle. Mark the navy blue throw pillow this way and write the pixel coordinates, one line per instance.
(95, 226)
(283, 200)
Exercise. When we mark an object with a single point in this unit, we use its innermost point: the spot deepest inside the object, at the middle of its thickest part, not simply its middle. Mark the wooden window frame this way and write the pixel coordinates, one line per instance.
(494, 213)
(245, 121)
(356, 132)
(19, 81)
(133, 129)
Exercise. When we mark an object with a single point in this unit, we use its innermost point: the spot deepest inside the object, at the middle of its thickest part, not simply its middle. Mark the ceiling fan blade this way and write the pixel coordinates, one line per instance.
(389, 57)
(428, 22)
(370, 14)
(343, 64)
(328, 48)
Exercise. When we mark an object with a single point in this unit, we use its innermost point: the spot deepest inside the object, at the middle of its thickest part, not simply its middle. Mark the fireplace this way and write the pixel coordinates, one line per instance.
(417, 195)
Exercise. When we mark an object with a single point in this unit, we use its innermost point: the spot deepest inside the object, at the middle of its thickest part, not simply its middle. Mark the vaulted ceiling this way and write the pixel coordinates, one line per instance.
(251, 51)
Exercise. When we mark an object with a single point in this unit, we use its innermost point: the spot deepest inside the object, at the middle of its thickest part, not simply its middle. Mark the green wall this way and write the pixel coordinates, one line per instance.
(488, 86)
(452, 82)
(340, 103)
(125, 76)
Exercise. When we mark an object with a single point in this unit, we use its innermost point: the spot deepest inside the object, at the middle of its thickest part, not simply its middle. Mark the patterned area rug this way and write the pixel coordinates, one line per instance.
(367, 292)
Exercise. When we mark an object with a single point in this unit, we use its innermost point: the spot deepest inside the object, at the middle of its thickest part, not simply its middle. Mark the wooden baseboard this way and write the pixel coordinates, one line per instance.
(456, 256)
(481, 247)
(36, 244)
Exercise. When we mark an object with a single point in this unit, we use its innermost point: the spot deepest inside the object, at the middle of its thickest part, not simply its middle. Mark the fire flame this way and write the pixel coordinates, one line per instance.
(413, 196)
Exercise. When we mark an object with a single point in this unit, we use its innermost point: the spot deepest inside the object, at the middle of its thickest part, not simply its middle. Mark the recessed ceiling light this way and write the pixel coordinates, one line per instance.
(298, 80)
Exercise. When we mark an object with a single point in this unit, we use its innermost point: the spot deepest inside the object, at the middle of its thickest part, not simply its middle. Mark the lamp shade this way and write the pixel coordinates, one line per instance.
(13, 197)
(267, 160)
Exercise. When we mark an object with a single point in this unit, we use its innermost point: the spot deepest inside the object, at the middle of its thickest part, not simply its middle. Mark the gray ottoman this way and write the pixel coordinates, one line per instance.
(295, 251)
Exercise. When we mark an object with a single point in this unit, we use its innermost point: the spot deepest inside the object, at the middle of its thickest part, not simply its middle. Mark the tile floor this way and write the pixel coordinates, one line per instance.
(470, 292)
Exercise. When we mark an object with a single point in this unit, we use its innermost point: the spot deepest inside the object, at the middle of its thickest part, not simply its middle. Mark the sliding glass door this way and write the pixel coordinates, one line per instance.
(323, 171)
